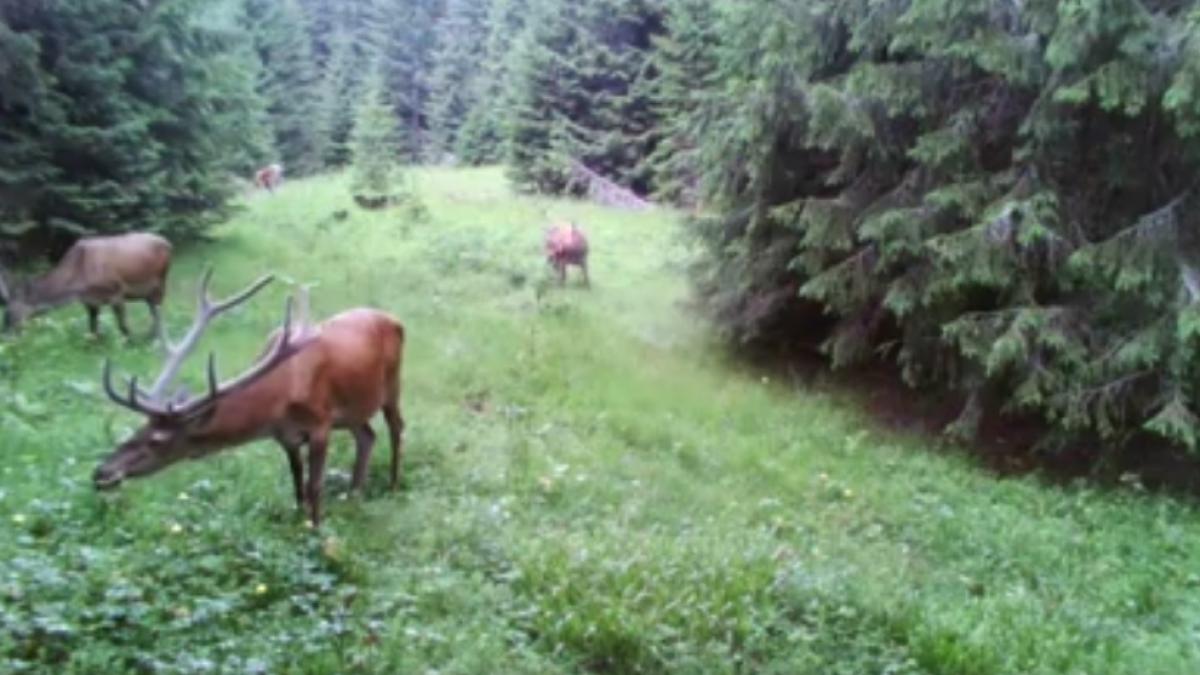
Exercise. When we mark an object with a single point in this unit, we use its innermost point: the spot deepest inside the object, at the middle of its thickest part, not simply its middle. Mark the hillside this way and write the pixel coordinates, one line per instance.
(591, 486)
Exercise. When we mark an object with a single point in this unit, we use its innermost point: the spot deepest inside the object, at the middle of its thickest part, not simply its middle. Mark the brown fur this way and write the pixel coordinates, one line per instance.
(269, 177)
(565, 245)
(347, 370)
(99, 271)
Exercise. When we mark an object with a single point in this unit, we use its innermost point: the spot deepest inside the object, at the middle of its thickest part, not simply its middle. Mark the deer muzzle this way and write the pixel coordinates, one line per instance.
(107, 478)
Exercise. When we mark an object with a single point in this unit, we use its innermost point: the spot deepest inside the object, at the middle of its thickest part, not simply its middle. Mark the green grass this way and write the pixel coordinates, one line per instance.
(591, 486)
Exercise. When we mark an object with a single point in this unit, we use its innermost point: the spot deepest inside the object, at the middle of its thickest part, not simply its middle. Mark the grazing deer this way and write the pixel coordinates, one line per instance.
(269, 177)
(567, 245)
(308, 381)
(96, 271)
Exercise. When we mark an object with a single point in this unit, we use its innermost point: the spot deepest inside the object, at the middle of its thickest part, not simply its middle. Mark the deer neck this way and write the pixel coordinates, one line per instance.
(255, 412)
(49, 291)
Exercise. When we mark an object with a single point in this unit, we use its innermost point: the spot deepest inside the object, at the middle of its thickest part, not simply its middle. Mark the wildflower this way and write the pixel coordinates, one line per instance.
(848, 493)
(260, 589)
(18, 518)
(176, 528)
(183, 496)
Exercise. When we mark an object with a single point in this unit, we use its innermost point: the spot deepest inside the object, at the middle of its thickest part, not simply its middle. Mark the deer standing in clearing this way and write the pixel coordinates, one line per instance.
(96, 271)
(567, 245)
(269, 177)
(309, 381)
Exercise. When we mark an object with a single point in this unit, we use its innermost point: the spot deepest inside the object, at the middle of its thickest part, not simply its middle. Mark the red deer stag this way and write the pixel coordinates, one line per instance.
(96, 271)
(567, 245)
(307, 382)
(269, 177)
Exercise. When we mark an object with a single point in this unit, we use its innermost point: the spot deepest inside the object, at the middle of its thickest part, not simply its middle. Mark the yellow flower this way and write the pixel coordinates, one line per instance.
(260, 589)
(18, 518)
(332, 548)
(176, 528)
(183, 496)
(848, 493)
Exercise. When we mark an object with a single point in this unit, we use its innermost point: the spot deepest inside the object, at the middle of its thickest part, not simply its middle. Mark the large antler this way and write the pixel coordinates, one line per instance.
(153, 402)
(285, 346)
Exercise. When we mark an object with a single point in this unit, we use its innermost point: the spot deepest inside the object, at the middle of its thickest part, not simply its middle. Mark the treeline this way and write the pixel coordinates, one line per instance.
(122, 114)
(998, 197)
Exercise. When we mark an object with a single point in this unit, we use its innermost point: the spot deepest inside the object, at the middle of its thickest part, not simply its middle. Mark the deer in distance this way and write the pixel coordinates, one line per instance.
(566, 245)
(98, 272)
(307, 382)
(269, 177)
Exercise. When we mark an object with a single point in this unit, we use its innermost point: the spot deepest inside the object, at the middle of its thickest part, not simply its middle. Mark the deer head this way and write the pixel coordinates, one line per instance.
(174, 423)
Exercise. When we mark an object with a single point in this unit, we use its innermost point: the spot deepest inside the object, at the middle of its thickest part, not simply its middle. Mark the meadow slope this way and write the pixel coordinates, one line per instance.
(591, 487)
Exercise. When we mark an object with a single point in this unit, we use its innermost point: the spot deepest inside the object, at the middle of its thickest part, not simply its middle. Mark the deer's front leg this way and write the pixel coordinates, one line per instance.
(292, 449)
(318, 450)
(118, 310)
(93, 313)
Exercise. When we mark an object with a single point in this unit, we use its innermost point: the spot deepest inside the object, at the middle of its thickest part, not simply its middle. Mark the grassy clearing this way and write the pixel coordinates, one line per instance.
(590, 487)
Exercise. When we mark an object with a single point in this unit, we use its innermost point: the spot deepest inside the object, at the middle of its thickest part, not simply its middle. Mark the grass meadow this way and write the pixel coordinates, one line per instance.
(592, 485)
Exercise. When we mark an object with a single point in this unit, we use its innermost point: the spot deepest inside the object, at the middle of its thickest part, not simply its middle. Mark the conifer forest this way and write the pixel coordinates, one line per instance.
(599, 336)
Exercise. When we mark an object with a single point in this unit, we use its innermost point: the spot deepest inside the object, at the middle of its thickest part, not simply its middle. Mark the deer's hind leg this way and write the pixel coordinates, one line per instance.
(364, 442)
(395, 425)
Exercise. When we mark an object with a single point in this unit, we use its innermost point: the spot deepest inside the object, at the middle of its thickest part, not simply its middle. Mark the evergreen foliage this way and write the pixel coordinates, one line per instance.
(348, 44)
(407, 61)
(376, 147)
(685, 58)
(115, 116)
(577, 96)
(458, 61)
(998, 196)
(288, 82)
(481, 139)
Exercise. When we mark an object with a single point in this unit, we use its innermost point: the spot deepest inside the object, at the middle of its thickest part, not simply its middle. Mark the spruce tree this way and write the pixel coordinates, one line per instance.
(376, 148)
(996, 196)
(118, 119)
(407, 61)
(578, 96)
(348, 41)
(288, 82)
(481, 139)
(457, 61)
(685, 59)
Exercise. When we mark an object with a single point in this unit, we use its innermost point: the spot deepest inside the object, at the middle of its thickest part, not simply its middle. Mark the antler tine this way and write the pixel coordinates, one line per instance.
(283, 348)
(130, 402)
(202, 299)
(213, 383)
(206, 311)
(243, 296)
